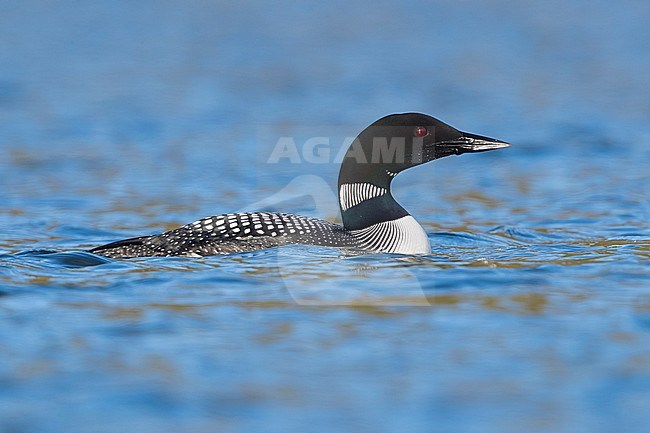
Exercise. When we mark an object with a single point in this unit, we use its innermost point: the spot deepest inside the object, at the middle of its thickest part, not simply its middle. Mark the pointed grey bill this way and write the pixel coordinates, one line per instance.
(474, 143)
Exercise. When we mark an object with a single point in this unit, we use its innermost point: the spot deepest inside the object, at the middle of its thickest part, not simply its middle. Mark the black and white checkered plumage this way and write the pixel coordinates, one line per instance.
(372, 219)
(232, 233)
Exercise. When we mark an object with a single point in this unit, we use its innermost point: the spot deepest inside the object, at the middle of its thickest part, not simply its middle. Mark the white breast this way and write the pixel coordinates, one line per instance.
(401, 236)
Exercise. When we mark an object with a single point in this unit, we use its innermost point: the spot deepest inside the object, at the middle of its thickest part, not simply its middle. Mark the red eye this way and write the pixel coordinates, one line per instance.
(420, 131)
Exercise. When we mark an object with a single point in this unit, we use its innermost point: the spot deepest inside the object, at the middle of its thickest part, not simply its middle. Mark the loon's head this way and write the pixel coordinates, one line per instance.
(400, 141)
(387, 147)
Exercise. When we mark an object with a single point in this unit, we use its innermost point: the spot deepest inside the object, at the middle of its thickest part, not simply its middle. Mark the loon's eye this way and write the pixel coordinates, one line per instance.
(420, 131)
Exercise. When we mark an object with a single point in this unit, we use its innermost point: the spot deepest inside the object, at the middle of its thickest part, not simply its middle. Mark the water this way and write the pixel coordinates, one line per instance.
(531, 314)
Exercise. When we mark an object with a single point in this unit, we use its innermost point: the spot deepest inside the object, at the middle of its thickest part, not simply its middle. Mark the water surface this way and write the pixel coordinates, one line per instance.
(531, 314)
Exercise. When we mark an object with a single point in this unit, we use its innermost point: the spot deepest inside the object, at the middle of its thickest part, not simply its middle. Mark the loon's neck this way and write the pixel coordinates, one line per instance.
(369, 210)
(364, 203)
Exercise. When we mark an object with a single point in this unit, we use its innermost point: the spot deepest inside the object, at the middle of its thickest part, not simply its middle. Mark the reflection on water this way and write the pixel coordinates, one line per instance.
(531, 314)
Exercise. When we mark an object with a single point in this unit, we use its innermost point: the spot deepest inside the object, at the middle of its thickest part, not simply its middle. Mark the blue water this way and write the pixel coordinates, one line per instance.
(126, 118)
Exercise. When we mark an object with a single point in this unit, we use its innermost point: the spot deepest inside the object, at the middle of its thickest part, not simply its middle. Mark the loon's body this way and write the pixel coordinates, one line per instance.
(372, 219)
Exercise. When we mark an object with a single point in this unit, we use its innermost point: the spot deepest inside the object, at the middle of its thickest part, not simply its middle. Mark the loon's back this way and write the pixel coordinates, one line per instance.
(232, 233)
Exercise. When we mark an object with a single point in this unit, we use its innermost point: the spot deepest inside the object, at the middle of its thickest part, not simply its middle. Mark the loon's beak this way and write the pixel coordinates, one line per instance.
(472, 143)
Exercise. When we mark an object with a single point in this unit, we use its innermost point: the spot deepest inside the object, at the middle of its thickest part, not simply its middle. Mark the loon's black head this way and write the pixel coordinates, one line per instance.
(401, 141)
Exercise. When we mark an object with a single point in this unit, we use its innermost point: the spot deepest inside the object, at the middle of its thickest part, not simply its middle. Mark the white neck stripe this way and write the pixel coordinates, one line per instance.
(351, 194)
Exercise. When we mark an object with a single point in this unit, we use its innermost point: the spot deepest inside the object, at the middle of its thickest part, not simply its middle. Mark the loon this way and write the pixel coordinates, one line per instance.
(372, 220)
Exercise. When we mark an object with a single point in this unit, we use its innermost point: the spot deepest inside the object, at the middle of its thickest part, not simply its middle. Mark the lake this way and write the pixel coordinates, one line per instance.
(122, 119)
